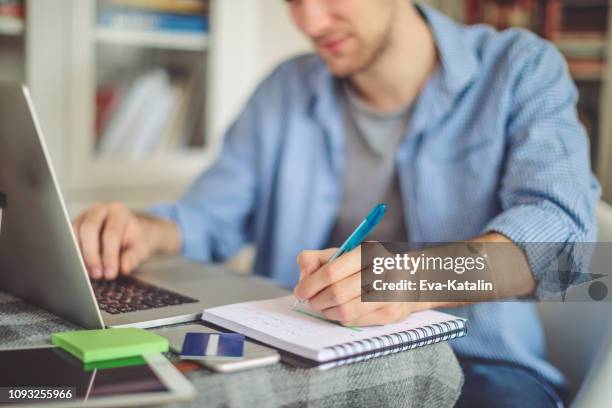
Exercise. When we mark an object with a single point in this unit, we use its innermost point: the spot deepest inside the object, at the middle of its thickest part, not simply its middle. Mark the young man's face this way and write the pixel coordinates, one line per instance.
(348, 34)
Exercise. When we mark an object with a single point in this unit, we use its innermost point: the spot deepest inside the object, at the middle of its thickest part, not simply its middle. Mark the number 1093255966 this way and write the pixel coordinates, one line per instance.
(16, 394)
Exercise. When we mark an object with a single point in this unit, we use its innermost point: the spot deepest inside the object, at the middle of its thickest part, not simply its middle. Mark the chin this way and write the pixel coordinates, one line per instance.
(345, 64)
(342, 68)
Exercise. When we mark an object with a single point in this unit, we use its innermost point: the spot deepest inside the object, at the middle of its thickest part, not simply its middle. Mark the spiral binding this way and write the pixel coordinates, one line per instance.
(362, 350)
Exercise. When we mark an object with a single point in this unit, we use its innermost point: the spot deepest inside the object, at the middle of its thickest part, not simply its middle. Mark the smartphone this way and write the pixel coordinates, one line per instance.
(255, 355)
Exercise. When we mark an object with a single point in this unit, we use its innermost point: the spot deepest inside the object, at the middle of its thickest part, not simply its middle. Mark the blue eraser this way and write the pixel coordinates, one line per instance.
(212, 345)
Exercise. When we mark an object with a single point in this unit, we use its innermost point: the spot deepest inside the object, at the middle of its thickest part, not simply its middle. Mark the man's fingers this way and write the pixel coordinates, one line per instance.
(76, 223)
(89, 239)
(310, 261)
(338, 293)
(112, 238)
(328, 274)
(131, 257)
(133, 250)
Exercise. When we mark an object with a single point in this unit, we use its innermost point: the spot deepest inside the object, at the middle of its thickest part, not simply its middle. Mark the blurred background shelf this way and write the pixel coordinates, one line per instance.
(12, 40)
(581, 31)
(134, 95)
(12, 14)
(162, 40)
(11, 26)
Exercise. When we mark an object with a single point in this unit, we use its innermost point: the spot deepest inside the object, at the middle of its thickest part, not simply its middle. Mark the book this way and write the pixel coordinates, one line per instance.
(135, 127)
(582, 45)
(585, 16)
(192, 134)
(11, 25)
(168, 6)
(587, 68)
(130, 111)
(13, 8)
(171, 132)
(310, 336)
(541, 17)
(107, 99)
(507, 14)
(552, 19)
(109, 344)
(146, 132)
(142, 20)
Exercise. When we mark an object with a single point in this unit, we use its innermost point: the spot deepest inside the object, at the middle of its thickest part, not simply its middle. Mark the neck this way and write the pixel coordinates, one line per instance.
(397, 75)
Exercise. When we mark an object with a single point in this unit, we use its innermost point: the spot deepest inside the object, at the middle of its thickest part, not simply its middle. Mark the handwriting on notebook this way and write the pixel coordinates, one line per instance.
(286, 321)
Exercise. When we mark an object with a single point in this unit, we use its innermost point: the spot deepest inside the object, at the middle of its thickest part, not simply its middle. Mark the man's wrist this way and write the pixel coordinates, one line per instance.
(163, 236)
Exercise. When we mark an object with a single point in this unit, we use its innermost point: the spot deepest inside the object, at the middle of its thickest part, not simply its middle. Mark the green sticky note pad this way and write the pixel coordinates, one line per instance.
(109, 344)
(116, 363)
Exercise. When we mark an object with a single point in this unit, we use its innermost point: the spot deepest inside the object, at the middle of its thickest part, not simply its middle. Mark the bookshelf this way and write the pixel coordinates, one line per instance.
(170, 41)
(75, 60)
(127, 79)
(604, 169)
(64, 56)
(78, 55)
(581, 31)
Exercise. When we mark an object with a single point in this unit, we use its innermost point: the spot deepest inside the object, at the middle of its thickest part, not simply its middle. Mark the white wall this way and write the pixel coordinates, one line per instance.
(266, 36)
(278, 39)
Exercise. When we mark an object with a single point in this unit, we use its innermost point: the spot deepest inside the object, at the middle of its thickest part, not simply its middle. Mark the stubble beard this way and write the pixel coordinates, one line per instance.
(378, 51)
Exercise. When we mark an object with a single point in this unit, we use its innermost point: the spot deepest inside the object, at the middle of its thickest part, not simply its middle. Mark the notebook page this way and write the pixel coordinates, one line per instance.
(276, 323)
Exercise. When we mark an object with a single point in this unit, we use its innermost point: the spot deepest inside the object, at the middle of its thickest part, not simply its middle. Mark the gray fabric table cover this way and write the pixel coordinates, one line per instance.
(425, 377)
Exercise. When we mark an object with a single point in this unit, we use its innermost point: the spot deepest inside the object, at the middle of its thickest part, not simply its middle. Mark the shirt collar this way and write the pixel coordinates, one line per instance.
(458, 60)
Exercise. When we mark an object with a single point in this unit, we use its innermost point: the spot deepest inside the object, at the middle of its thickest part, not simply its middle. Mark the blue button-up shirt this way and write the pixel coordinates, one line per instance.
(494, 145)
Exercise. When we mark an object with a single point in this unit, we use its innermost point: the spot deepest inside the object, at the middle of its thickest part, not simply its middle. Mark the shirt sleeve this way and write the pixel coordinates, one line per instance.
(548, 193)
(213, 215)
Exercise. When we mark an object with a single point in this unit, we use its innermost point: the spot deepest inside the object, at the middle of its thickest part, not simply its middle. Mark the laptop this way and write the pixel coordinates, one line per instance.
(40, 260)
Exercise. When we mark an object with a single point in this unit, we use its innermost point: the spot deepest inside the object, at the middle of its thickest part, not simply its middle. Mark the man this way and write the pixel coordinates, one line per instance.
(464, 132)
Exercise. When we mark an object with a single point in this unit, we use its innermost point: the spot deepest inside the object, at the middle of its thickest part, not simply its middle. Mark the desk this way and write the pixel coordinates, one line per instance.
(426, 377)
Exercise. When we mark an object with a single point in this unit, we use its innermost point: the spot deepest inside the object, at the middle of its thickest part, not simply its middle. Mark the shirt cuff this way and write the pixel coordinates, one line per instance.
(191, 229)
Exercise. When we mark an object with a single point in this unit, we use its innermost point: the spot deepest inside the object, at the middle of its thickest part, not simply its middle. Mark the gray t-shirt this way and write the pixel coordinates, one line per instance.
(370, 175)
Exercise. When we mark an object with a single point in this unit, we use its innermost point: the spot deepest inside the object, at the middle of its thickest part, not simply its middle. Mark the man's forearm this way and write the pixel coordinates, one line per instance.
(499, 270)
(519, 283)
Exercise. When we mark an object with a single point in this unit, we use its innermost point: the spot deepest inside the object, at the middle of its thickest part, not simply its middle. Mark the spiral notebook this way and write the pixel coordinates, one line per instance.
(306, 334)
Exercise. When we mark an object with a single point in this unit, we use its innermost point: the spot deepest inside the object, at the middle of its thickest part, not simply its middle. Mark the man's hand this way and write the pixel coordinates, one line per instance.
(115, 240)
(334, 289)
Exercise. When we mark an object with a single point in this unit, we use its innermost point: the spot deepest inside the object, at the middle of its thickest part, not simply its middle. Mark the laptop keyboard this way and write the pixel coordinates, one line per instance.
(125, 294)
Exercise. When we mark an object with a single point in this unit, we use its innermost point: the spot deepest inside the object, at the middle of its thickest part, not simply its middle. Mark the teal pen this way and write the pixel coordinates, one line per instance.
(360, 233)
